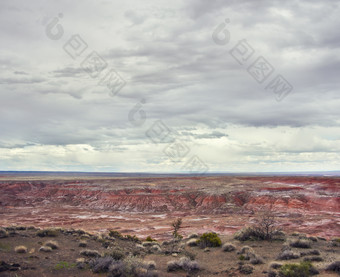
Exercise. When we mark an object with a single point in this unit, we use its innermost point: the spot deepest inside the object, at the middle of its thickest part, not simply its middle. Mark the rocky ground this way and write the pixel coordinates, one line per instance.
(146, 205)
(61, 252)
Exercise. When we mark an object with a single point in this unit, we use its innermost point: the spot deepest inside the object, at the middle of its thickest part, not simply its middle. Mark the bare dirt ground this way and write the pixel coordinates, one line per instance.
(212, 261)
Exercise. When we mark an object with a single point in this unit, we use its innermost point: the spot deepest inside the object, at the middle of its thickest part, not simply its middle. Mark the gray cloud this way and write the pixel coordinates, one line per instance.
(53, 115)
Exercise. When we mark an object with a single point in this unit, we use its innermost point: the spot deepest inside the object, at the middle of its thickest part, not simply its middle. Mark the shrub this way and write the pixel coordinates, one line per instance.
(241, 257)
(150, 265)
(173, 266)
(209, 240)
(288, 255)
(82, 243)
(228, 247)
(183, 263)
(90, 253)
(45, 249)
(149, 238)
(310, 252)
(3, 233)
(47, 233)
(101, 265)
(300, 243)
(334, 266)
(20, 249)
(192, 242)
(246, 249)
(246, 269)
(51, 243)
(130, 267)
(156, 248)
(314, 239)
(304, 269)
(115, 234)
(132, 238)
(256, 260)
(275, 265)
(117, 254)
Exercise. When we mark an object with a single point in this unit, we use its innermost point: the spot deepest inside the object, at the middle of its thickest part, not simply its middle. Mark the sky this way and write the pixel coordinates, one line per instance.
(170, 86)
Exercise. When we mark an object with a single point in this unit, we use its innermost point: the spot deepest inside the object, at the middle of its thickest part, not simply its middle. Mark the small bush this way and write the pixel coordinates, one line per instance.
(51, 243)
(314, 239)
(45, 249)
(228, 247)
(47, 233)
(246, 249)
(90, 253)
(209, 240)
(300, 243)
(20, 249)
(334, 266)
(310, 252)
(82, 243)
(132, 238)
(241, 257)
(288, 255)
(115, 234)
(246, 269)
(256, 260)
(192, 242)
(304, 269)
(275, 265)
(101, 265)
(3, 233)
(183, 263)
(117, 254)
(150, 265)
(149, 238)
(130, 267)
(173, 266)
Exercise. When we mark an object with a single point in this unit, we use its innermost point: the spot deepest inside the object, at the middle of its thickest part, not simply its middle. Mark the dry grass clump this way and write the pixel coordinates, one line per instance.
(20, 249)
(192, 242)
(45, 249)
(51, 232)
(150, 264)
(183, 263)
(130, 266)
(90, 253)
(300, 243)
(288, 255)
(228, 247)
(52, 243)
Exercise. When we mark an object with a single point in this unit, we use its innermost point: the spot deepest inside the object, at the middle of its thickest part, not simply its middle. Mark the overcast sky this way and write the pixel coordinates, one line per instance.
(193, 94)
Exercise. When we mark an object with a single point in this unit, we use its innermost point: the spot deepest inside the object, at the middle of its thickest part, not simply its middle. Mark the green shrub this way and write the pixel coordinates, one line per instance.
(209, 240)
(149, 238)
(115, 234)
(241, 257)
(132, 238)
(304, 269)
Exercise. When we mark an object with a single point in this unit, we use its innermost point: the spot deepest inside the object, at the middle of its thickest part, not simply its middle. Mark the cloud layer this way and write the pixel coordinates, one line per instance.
(55, 116)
